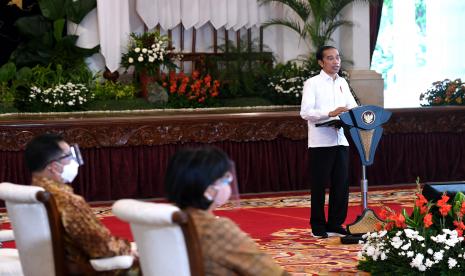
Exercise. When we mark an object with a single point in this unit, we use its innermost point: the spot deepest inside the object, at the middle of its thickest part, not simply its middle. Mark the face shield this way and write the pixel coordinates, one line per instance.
(76, 154)
(224, 192)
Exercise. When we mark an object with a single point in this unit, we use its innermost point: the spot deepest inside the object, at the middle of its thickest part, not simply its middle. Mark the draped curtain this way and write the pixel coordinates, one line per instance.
(111, 173)
(376, 9)
(115, 19)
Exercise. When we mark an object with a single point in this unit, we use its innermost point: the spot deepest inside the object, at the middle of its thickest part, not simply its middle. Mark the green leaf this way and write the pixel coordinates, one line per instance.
(58, 26)
(24, 75)
(52, 9)
(459, 196)
(33, 26)
(7, 72)
(77, 10)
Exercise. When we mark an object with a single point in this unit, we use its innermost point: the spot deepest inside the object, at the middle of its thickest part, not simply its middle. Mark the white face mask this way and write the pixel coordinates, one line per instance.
(70, 171)
(219, 192)
(222, 195)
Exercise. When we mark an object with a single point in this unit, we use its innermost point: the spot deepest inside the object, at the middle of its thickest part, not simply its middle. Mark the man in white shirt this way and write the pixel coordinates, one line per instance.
(325, 97)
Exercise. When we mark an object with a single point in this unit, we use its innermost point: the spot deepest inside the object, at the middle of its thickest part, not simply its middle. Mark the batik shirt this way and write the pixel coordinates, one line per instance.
(85, 235)
(227, 250)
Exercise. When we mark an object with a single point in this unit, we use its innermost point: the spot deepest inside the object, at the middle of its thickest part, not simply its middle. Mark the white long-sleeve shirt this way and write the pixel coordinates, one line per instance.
(321, 95)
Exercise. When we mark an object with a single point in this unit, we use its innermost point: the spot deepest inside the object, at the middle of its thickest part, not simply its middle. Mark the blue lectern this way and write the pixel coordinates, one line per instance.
(364, 123)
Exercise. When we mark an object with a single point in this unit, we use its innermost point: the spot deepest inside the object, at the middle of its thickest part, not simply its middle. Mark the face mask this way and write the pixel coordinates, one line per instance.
(70, 171)
(223, 192)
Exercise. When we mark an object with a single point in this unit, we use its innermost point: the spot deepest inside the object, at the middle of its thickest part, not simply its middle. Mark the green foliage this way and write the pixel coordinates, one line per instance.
(47, 41)
(242, 70)
(316, 19)
(71, 9)
(7, 72)
(444, 92)
(113, 91)
(77, 10)
(62, 97)
(286, 83)
(7, 87)
(46, 77)
(7, 94)
(429, 241)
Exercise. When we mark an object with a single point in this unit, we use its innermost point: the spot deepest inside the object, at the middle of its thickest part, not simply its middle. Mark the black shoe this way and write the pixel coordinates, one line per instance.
(319, 234)
(337, 231)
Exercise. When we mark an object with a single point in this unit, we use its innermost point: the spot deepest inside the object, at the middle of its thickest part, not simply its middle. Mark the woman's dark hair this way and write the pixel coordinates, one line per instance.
(42, 150)
(190, 171)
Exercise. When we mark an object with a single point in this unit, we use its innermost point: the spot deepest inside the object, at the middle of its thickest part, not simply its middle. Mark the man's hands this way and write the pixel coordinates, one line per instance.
(337, 111)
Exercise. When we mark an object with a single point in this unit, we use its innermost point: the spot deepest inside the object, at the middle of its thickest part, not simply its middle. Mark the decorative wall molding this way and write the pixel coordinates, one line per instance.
(157, 130)
(142, 129)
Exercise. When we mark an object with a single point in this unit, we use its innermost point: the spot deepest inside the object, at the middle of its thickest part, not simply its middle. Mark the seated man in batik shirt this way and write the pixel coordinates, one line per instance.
(53, 163)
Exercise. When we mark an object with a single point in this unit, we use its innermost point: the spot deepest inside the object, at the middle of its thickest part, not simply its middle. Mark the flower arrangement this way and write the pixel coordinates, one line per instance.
(430, 240)
(62, 97)
(291, 86)
(287, 81)
(147, 52)
(190, 91)
(444, 92)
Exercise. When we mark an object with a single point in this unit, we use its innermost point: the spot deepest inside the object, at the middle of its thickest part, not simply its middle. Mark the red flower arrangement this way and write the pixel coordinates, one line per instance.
(425, 214)
(428, 241)
(190, 91)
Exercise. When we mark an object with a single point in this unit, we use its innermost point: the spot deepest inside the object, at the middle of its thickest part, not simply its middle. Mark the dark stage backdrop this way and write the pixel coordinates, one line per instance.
(262, 166)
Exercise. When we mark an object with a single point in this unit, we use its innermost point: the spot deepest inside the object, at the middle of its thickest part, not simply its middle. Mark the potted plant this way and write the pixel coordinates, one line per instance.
(147, 52)
(315, 20)
(429, 241)
(190, 91)
(446, 92)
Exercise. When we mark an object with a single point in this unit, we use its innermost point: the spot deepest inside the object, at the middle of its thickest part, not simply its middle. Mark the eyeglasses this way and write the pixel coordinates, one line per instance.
(74, 153)
(66, 156)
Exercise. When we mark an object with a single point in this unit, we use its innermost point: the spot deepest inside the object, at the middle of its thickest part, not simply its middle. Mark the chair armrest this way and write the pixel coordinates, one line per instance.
(112, 263)
(7, 235)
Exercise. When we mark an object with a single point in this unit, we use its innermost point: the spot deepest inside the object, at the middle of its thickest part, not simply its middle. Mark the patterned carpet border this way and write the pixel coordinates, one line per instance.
(404, 197)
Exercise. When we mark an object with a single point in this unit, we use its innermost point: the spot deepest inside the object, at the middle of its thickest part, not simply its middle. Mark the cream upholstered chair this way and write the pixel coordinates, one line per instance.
(165, 237)
(39, 233)
(9, 258)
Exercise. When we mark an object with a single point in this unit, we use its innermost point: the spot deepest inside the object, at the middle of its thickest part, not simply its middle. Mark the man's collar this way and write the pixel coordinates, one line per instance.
(326, 76)
(43, 181)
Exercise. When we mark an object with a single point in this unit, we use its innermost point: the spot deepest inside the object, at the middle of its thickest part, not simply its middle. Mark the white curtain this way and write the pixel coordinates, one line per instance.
(219, 13)
(148, 12)
(204, 13)
(114, 28)
(190, 13)
(113, 20)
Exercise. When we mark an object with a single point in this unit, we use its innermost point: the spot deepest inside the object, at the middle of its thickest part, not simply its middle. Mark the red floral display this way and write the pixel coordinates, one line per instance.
(190, 91)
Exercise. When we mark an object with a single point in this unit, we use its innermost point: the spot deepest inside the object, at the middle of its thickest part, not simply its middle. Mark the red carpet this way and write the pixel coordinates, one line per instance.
(279, 224)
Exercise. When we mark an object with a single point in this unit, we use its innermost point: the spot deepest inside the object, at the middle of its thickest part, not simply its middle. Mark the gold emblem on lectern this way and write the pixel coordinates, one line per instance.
(368, 117)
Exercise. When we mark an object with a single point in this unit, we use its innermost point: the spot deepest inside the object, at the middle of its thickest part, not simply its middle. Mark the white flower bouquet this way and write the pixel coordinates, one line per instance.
(62, 97)
(147, 52)
(408, 252)
(429, 241)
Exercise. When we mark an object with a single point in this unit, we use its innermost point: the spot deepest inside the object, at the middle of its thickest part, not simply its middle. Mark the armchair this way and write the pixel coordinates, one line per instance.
(39, 235)
(165, 236)
(9, 259)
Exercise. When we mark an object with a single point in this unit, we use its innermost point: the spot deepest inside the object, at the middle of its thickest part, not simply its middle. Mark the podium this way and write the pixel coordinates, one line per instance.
(364, 123)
